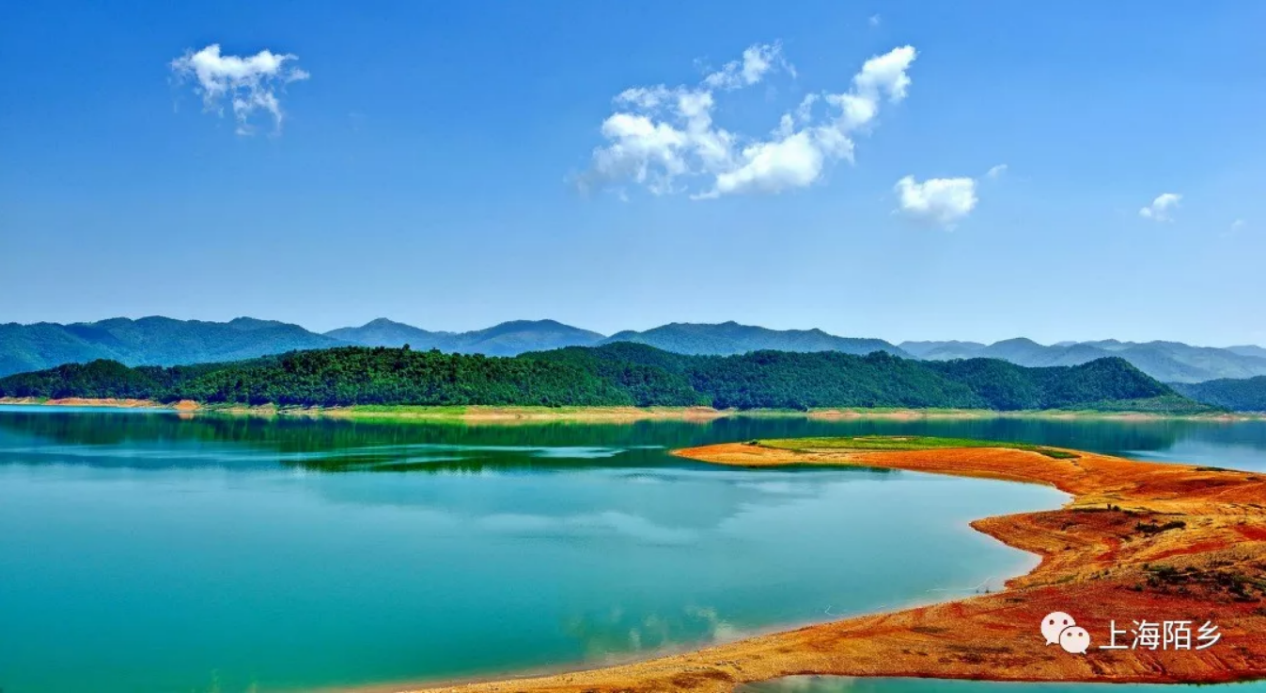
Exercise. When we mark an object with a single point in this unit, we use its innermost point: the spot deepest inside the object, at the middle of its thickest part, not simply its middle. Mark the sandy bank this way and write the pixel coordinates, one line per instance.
(92, 402)
(511, 415)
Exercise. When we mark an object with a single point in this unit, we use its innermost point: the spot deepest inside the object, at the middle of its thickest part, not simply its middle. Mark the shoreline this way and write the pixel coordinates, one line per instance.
(485, 414)
(1102, 558)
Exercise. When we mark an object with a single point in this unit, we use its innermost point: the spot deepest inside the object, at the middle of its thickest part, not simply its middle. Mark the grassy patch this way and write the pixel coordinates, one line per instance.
(894, 443)
(1238, 586)
(388, 409)
(1151, 528)
(1171, 404)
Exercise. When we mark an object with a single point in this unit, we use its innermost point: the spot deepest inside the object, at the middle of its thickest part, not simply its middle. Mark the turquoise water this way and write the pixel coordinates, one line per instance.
(141, 552)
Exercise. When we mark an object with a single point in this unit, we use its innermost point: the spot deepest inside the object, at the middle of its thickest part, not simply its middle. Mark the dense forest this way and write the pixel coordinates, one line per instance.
(620, 374)
(1248, 394)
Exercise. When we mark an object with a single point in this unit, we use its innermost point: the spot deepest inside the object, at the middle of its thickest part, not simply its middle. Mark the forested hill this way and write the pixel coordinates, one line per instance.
(1248, 394)
(613, 375)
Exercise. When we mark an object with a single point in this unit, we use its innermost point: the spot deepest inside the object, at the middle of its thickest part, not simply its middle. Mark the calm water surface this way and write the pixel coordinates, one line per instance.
(140, 552)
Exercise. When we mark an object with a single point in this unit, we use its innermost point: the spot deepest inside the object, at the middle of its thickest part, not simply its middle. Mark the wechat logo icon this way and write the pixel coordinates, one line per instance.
(1060, 629)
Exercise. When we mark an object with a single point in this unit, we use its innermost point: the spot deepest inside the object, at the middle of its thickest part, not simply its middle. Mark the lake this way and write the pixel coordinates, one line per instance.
(143, 551)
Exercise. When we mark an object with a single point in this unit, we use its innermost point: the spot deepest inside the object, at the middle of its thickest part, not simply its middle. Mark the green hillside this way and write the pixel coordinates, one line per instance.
(613, 375)
(1248, 394)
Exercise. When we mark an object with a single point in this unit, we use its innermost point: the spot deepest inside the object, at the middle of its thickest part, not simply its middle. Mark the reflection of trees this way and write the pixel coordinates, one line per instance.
(308, 435)
(342, 444)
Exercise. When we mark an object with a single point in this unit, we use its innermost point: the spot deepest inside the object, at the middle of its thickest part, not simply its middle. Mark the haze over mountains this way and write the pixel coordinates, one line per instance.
(507, 339)
(153, 341)
(1248, 350)
(165, 341)
(729, 338)
(1172, 362)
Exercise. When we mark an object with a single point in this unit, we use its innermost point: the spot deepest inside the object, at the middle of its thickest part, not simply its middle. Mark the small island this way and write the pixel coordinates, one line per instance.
(1137, 540)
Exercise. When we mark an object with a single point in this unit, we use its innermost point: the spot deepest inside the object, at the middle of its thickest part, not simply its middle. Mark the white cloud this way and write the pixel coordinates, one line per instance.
(664, 138)
(645, 98)
(1238, 225)
(875, 20)
(942, 201)
(997, 171)
(887, 74)
(758, 60)
(1162, 207)
(804, 112)
(249, 83)
(792, 162)
(855, 111)
(650, 153)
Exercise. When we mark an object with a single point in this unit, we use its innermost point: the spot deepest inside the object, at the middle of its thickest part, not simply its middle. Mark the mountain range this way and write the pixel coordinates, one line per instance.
(507, 339)
(164, 341)
(153, 341)
(1172, 362)
(731, 338)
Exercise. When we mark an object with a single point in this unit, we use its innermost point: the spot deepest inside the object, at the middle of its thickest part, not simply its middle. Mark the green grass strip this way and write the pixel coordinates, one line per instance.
(893, 443)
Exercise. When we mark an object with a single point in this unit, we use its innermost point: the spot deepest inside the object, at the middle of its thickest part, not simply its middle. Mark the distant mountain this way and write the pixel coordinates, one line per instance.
(1105, 344)
(517, 336)
(1173, 362)
(388, 333)
(507, 339)
(1177, 362)
(1248, 350)
(1237, 395)
(730, 338)
(1026, 352)
(165, 341)
(942, 351)
(153, 341)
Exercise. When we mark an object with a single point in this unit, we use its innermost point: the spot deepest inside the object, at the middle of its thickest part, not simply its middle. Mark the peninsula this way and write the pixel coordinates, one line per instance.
(1137, 541)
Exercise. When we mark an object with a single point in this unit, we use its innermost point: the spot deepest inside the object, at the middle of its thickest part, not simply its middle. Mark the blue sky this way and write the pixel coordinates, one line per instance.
(453, 165)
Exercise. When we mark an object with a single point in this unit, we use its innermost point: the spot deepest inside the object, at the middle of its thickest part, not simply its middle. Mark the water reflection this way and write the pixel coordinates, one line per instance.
(614, 633)
(163, 439)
